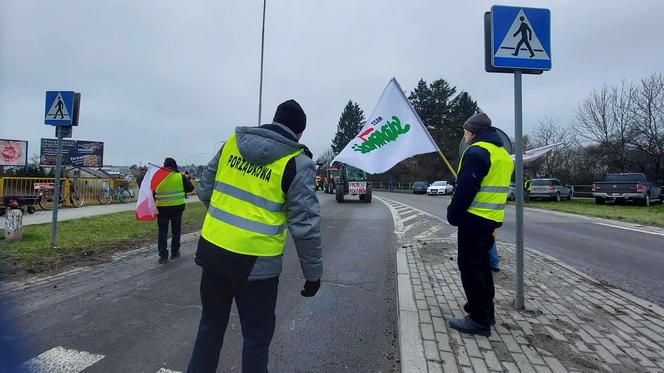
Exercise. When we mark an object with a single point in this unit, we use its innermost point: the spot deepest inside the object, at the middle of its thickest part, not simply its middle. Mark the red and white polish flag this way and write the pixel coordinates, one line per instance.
(146, 208)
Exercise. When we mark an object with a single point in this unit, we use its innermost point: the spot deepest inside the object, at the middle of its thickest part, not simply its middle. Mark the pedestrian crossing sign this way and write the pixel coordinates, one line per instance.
(520, 38)
(59, 108)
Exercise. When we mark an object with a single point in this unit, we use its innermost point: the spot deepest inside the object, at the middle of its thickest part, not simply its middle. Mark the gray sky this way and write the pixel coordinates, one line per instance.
(173, 78)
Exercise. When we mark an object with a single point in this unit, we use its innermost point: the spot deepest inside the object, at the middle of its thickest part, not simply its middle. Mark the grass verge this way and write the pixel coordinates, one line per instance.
(85, 241)
(652, 215)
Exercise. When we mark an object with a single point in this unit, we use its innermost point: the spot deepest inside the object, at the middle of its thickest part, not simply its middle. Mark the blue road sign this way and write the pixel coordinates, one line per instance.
(59, 108)
(521, 38)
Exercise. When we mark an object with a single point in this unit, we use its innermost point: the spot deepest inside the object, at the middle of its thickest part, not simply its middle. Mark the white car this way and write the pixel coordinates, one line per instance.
(439, 187)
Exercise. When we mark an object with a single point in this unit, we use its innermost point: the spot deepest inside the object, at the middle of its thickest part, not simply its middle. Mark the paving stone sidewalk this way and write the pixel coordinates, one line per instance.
(571, 322)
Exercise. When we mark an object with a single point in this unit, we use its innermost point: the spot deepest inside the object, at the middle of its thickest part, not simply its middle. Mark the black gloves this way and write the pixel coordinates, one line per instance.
(310, 288)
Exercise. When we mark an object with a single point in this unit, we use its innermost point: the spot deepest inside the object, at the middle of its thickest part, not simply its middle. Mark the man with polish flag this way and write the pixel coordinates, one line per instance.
(161, 198)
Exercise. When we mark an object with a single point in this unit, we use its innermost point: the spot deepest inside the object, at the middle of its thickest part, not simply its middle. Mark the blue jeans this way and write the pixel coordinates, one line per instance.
(493, 257)
(256, 302)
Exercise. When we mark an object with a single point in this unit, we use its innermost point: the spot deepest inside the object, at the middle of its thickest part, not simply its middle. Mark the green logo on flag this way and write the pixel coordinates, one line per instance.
(378, 138)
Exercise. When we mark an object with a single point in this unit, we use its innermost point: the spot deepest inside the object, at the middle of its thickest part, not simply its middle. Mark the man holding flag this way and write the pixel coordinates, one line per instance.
(161, 198)
(477, 209)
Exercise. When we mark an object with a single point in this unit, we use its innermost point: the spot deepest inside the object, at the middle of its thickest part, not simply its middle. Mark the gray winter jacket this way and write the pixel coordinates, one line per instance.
(260, 146)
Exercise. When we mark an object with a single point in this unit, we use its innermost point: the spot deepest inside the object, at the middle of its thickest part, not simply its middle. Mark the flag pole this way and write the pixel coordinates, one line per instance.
(442, 156)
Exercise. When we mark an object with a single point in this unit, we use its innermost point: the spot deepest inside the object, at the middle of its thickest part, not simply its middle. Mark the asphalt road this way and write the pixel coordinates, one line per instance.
(626, 259)
(143, 317)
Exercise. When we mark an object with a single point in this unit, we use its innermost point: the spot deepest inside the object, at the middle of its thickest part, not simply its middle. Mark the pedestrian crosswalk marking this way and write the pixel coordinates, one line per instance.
(66, 360)
(61, 360)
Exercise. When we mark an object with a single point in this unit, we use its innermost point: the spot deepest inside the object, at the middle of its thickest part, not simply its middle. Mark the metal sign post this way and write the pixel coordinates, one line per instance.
(56, 192)
(61, 110)
(518, 167)
(517, 40)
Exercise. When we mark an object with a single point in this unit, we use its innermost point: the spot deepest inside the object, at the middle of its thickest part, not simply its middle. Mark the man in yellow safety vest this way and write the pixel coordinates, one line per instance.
(261, 182)
(477, 209)
(169, 198)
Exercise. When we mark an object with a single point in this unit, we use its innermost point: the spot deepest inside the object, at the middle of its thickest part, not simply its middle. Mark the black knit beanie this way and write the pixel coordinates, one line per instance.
(170, 163)
(291, 115)
(477, 123)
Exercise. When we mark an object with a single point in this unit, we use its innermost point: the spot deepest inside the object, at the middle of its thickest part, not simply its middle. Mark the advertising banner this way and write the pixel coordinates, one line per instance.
(13, 152)
(74, 153)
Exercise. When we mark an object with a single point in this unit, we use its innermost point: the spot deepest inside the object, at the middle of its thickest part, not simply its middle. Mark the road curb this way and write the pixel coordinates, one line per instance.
(411, 348)
(637, 301)
(412, 359)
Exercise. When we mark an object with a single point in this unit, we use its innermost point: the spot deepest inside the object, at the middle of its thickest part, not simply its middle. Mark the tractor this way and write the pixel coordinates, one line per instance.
(352, 181)
(330, 176)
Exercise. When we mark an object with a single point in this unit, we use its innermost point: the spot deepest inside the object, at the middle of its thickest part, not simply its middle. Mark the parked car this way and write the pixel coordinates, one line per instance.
(549, 189)
(420, 187)
(626, 186)
(439, 187)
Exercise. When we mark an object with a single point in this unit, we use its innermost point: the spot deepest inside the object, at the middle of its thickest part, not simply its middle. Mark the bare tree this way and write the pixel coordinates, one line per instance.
(622, 119)
(606, 118)
(593, 117)
(326, 157)
(559, 162)
(649, 119)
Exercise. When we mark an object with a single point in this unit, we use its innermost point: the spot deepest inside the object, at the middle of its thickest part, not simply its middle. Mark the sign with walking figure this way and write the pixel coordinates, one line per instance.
(59, 108)
(521, 38)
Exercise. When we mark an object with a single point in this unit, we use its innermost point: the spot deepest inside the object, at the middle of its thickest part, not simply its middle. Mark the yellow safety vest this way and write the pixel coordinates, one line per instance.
(526, 185)
(170, 191)
(247, 210)
(489, 202)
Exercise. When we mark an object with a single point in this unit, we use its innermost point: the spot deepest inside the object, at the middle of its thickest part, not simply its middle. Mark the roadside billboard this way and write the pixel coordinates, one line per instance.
(13, 152)
(77, 153)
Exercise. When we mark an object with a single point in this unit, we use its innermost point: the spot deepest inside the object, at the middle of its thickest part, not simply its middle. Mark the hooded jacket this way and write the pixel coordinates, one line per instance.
(475, 166)
(263, 145)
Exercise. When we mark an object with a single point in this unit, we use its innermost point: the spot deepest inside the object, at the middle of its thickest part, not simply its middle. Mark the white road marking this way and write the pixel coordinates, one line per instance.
(412, 217)
(164, 370)
(61, 360)
(629, 228)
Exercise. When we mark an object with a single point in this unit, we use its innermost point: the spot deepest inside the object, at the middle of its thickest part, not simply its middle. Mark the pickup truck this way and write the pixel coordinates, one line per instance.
(627, 186)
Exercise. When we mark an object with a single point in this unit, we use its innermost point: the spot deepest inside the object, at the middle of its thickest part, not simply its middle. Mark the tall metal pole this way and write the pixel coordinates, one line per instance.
(518, 134)
(260, 95)
(56, 191)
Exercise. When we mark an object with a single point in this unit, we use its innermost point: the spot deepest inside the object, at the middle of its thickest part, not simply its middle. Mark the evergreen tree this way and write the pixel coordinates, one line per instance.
(432, 102)
(350, 124)
(462, 108)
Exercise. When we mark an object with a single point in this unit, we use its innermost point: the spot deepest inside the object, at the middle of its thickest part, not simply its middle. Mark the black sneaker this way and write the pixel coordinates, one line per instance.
(467, 325)
(163, 259)
(175, 254)
(492, 321)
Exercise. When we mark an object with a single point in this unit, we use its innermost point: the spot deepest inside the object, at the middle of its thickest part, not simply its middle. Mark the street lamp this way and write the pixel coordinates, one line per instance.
(260, 94)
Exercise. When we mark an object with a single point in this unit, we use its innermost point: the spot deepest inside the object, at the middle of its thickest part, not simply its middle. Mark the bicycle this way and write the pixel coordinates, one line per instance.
(45, 197)
(121, 193)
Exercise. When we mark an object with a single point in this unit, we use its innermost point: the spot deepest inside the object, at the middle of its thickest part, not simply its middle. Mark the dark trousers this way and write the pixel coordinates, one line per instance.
(175, 218)
(476, 275)
(256, 302)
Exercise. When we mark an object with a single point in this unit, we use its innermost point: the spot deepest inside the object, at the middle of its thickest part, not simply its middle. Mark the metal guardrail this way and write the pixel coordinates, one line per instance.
(396, 186)
(582, 191)
(577, 190)
(88, 187)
